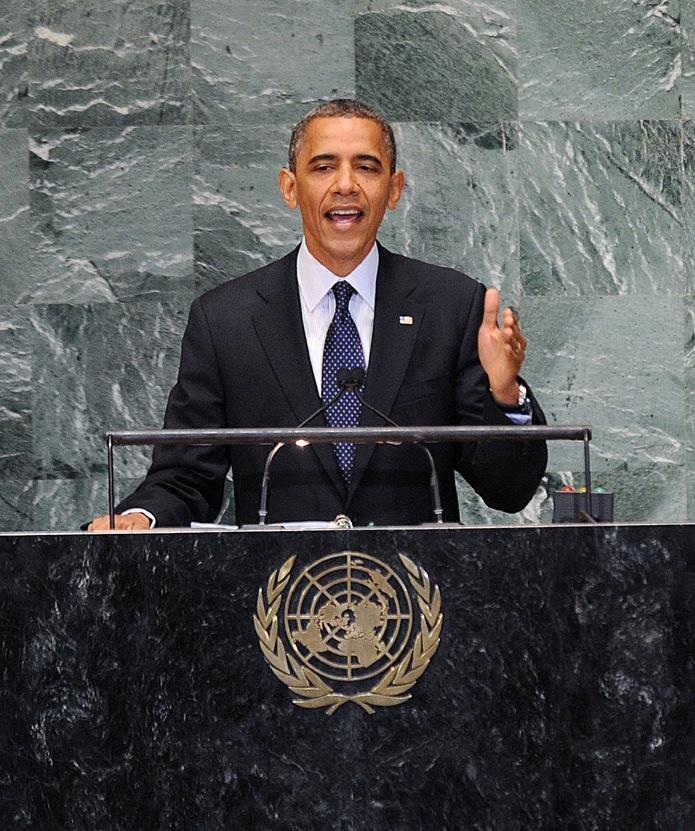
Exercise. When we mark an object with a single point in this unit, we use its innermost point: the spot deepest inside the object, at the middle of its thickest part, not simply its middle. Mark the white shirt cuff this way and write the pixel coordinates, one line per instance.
(150, 516)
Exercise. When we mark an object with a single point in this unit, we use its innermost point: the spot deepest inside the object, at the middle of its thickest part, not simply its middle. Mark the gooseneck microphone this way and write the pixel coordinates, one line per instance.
(353, 380)
(350, 380)
(344, 387)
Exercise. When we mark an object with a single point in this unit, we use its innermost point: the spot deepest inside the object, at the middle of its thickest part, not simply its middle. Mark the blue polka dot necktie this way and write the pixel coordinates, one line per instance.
(342, 349)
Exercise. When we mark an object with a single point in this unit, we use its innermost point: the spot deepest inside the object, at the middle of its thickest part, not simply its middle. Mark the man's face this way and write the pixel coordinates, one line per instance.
(342, 185)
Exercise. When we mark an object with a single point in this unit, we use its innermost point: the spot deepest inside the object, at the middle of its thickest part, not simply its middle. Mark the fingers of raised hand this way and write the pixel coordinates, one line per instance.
(491, 308)
(513, 337)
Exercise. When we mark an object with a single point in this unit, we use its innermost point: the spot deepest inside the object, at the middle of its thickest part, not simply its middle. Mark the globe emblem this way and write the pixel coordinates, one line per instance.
(348, 616)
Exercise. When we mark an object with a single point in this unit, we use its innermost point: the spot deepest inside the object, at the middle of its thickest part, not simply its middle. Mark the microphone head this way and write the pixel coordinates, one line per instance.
(351, 378)
(357, 374)
(343, 377)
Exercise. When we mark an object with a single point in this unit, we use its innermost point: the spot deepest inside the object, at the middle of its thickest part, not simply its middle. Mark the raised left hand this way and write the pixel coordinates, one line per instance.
(501, 350)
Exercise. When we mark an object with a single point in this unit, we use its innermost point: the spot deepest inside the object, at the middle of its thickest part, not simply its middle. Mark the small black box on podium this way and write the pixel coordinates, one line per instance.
(569, 506)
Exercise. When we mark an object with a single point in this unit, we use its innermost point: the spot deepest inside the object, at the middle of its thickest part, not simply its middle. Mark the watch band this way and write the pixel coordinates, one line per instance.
(523, 404)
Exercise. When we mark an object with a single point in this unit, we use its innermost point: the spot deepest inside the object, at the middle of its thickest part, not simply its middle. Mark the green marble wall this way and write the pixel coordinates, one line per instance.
(549, 151)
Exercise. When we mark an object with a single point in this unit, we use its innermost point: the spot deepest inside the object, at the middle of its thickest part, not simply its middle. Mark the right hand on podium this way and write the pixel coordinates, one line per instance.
(129, 522)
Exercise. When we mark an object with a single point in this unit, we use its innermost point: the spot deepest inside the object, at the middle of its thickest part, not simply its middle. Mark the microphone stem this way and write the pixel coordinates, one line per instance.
(263, 508)
(265, 482)
(322, 408)
(434, 479)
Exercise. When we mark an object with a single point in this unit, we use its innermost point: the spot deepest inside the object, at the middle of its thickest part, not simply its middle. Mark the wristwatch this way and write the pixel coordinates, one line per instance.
(523, 404)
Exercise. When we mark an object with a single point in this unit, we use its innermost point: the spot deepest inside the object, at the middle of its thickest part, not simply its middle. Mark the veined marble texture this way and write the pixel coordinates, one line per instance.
(459, 206)
(109, 62)
(99, 367)
(607, 362)
(240, 219)
(687, 83)
(149, 174)
(16, 511)
(599, 59)
(14, 215)
(438, 61)
(688, 154)
(690, 399)
(68, 503)
(17, 468)
(266, 61)
(15, 33)
(600, 208)
(16, 428)
(111, 215)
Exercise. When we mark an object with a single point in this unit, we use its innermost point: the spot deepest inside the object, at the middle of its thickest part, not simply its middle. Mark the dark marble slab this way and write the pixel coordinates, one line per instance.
(687, 82)
(429, 62)
(51, 503)
(606, 363)
(15, 34)
(459, 208)
(16, 497)
(65, 504)
(600, 208)
(115, 365)
(15, 229)
(599, 59)
(109, 63)
(135, 694)
(240, 220)
(16, 346)
(269, 61)
(689, 380)
(111, 215)
(688, 174)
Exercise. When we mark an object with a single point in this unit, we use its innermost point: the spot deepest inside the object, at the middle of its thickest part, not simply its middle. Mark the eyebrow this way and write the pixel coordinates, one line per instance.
(332, 157)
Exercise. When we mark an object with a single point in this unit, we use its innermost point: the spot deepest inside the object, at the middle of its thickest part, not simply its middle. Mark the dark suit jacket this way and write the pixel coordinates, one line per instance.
(245, 363)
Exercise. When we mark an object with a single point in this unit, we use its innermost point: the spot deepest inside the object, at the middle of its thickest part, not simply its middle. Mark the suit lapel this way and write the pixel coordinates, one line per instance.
(393, 341)
(280, 330)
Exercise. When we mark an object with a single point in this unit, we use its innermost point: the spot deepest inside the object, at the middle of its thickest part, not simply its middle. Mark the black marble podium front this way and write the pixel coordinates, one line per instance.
(135, 694)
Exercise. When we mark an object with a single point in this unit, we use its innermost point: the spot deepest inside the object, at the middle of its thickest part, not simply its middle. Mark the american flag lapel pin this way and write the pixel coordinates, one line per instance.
(405, 320)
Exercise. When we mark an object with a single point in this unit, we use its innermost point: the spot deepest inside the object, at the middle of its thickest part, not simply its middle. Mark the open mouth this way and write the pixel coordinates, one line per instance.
(344, 216)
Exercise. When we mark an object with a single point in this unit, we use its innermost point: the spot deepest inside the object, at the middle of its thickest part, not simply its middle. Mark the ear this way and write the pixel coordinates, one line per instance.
(288, 187)
(396, 186)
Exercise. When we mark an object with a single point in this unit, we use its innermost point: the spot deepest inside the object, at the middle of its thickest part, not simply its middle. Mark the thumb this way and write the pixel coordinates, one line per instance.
(491, 308)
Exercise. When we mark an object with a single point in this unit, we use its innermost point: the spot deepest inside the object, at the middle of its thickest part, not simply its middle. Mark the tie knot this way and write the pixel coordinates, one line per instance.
(343, 291)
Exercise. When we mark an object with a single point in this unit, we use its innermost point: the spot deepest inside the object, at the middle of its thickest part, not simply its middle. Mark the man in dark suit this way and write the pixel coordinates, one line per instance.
(256, 353)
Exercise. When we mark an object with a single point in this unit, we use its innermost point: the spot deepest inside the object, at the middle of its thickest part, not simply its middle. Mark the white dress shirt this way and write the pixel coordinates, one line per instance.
(318, 302)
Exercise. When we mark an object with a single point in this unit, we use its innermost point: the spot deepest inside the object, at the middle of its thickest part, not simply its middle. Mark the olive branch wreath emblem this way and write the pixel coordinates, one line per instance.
(312, 691)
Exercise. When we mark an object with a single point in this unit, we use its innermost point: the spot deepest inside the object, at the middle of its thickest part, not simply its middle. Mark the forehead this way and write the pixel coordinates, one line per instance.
(343, 137)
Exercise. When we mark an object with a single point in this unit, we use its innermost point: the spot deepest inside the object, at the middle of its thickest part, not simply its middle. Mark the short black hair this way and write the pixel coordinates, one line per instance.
(341, 108)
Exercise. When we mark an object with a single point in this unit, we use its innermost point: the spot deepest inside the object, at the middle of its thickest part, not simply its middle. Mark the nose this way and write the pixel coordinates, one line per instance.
(344, 183)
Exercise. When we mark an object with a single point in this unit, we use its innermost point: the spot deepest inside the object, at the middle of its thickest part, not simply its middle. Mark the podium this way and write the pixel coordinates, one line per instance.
(136, 693)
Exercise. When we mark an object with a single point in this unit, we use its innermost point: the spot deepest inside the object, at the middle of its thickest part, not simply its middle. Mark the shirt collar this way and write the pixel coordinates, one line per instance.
(315, 280)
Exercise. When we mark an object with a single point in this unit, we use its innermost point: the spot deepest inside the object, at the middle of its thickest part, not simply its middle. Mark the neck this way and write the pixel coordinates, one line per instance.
(340, 266)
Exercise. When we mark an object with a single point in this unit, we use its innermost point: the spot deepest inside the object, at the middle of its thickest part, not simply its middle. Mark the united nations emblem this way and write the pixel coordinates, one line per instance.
(343, 631)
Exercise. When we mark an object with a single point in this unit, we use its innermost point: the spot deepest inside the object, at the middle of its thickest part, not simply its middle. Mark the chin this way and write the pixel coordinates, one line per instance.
(347, 252)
